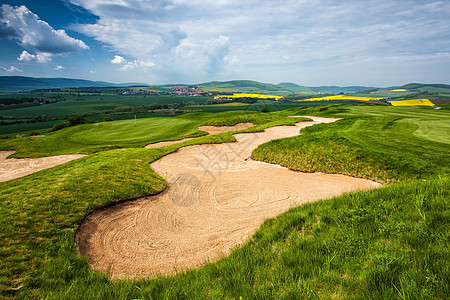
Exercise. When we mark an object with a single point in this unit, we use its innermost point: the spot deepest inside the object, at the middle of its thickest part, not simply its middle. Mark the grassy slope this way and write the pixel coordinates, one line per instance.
(388, 243)
(369, 147)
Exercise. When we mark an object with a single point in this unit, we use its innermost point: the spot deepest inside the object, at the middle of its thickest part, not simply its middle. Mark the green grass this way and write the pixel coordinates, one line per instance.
(17, 129)
(389, 243)
(83, 104)
(378, 142)
(381, 148)
(272, 106)
(88, 103)
(90, 138)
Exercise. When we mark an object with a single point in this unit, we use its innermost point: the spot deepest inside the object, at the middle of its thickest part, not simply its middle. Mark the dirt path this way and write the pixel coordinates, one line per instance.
(216, 199)
(208, 129)
(14, 168)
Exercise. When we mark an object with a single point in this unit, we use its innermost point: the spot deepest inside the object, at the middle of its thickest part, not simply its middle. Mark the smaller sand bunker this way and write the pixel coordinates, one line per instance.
(208, 129)
(14, 168)
(221, 129)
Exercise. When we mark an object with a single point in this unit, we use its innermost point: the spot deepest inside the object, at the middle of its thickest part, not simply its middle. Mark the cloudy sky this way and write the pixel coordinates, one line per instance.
(308, 42)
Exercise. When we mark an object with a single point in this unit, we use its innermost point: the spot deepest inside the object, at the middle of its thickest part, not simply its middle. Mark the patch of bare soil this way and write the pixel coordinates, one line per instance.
(208, 129)
(18, 167)
(216, 199)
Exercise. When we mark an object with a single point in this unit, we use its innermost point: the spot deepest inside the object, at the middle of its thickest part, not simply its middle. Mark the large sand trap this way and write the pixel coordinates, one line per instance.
(14, 168)
(216, 199)
(208, 129)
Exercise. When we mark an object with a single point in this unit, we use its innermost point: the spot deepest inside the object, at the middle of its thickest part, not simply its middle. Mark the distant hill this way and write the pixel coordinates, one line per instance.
(295, 88)
(340, 89)
(420, 87)
(281, 89)
(22, 83)
(245, 86)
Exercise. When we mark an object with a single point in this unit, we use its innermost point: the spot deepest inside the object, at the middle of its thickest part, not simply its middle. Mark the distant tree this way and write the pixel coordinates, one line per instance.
(264, 110)
(71, 121)
(59, 126)
(77, 120)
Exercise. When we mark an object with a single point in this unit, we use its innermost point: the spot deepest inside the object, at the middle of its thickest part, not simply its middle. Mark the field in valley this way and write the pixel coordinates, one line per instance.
(391, 242)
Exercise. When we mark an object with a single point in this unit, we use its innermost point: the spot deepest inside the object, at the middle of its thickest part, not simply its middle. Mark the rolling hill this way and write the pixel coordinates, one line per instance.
(281, 89)
(420, 87)
(23, 83)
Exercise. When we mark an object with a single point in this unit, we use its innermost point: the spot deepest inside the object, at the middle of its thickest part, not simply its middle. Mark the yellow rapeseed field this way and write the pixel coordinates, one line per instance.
(341, 97)
(411, 102)
(259, 96)
(399, 90)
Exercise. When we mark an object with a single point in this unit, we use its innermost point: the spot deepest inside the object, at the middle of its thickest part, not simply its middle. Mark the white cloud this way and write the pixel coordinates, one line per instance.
(118, 60)
(216, 53)
(130, 65)
(38, 35)
(25, 56)
(39, 57)
(11, 69)
(59, 67)
(145, 64)
(92, 71)
(219, 37)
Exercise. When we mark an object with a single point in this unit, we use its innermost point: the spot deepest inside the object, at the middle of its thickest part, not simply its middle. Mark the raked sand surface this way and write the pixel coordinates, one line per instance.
(18, 167)
(216, 199)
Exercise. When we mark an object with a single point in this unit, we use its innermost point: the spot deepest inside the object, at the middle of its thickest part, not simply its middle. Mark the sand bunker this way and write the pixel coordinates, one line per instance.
(216, 199)
(221, 129)
(167, 143)
(208, 129)
(14, 168)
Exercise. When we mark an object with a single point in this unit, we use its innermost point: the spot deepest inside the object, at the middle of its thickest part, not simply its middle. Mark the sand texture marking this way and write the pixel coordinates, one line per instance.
(18, 167)
(216, 199)
(208, 129)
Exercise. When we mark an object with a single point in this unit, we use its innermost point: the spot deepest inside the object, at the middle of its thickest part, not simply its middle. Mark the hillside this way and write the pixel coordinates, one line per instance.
(339, 89)
(22, 83)
(420, 87)
(281, 89)
(246, 86)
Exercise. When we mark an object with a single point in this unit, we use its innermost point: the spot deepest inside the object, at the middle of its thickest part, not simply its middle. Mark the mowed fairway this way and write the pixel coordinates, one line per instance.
(433, 130)
(90, 138)
(133, 132)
